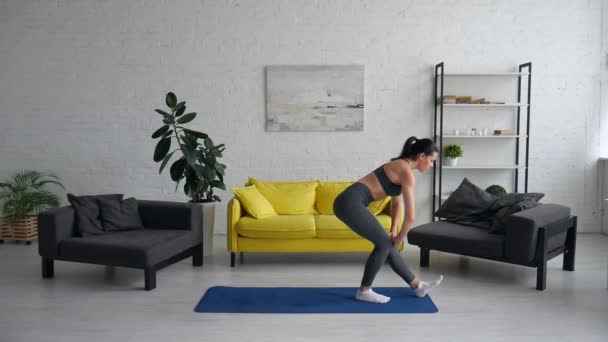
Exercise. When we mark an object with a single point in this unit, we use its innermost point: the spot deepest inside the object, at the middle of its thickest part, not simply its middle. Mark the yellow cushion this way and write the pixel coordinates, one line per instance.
(378, 206)
(277, 227)
(289, 198)
(254, 202)
(329, 226)
(326, 195)
(328, 191)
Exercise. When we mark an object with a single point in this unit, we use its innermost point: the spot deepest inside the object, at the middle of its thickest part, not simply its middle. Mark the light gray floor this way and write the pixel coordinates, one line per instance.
(478, 301)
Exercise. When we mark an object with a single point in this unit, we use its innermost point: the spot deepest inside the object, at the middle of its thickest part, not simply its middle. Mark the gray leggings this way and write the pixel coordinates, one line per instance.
(351, 208)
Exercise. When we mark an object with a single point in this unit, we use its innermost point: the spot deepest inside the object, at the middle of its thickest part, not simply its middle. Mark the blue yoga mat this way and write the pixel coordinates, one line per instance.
(309, 300)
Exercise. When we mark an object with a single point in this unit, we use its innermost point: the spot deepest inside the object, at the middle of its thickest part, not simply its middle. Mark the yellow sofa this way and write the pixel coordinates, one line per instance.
(313, 230)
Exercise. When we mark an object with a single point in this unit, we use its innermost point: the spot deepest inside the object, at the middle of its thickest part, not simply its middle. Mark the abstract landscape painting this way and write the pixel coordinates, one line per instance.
(314, 98)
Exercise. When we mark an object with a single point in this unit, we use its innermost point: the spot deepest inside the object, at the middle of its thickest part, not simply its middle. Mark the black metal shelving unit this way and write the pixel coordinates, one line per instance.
(525, 73)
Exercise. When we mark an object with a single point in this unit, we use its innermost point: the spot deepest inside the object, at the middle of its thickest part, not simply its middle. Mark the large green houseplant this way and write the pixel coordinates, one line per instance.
(198, 162)
(23, 196)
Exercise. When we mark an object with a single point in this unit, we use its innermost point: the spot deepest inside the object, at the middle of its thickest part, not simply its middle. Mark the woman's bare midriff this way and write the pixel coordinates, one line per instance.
(392, 170)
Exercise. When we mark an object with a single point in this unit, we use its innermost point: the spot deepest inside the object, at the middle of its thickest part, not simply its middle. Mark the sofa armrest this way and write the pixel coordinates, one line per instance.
(522, 230)
(54, 225)
(235, 212)
(171, 215)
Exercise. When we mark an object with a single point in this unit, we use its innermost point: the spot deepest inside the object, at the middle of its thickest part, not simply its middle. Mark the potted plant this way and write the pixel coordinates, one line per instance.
(496, 190)
(452, 153)
(23, 197)
(197, 162)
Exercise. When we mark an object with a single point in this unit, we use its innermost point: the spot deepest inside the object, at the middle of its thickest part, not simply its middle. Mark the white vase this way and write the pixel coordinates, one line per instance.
(208, 226)
(451, 161)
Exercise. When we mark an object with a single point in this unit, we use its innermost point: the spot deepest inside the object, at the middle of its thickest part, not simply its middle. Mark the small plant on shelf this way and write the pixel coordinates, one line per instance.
(452, 153)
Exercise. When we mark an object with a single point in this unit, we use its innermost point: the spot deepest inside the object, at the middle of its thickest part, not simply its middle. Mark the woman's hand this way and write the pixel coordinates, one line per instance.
(398, 238)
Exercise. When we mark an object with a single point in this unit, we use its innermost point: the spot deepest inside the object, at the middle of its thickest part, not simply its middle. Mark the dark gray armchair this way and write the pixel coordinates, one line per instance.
(532, 237)
(172, 232)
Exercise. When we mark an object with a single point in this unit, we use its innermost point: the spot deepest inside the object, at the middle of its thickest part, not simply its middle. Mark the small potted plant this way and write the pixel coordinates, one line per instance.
(23, 197)
(452, 153)
(198, 164)
(496, 190)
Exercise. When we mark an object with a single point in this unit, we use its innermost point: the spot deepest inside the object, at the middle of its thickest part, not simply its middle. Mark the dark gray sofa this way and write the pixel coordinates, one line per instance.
(532, 237)
(172, 232)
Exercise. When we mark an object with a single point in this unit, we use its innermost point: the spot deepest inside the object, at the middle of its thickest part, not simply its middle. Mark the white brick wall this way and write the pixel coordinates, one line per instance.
(79, 81)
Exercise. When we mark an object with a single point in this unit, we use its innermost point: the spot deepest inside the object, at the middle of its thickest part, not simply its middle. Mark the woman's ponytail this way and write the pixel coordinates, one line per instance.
(413, 146)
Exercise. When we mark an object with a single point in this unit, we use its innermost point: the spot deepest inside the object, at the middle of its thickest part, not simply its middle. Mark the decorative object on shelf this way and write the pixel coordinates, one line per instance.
(452, 153)
(496, 190)
(24, 196)
(198, 164)
(315, 98)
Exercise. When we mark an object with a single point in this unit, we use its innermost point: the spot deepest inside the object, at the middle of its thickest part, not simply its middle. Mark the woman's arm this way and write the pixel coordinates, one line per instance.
(408, 183)
(396, 214)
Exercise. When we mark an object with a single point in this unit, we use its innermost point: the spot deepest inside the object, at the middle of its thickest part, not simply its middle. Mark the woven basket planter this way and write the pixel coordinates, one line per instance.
(22, 230)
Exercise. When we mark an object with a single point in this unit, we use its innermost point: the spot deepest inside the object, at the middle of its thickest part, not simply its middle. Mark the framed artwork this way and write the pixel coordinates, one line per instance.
(314, 98)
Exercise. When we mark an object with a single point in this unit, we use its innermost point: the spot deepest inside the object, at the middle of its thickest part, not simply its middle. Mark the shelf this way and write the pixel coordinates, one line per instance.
(482, 136)
(483, 105)
(487, 74)
(484, 167)
(494, 165)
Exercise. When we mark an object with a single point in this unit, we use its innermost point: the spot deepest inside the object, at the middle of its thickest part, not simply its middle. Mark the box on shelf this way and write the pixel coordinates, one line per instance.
(504, 132)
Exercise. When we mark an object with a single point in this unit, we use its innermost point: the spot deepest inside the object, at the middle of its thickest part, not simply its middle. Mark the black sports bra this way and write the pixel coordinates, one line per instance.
(390, 188)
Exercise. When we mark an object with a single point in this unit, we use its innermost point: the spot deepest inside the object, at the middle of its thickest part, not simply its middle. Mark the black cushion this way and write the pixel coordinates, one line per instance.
(455, 238)
(509, 204)
(87, 213)
(134, 248)
(117, 214)
(467, 204)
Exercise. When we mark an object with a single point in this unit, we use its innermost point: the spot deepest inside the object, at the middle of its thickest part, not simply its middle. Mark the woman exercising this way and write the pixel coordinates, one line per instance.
(391, 179)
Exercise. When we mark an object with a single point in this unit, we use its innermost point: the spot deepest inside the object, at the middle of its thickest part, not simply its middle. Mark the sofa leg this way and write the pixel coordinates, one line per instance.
(48, 268)
(232, 259)
(242, 257)
(541, 270)
(541, 276)
(150, 276)
(424, 257)
(197, 255)
(570, 250)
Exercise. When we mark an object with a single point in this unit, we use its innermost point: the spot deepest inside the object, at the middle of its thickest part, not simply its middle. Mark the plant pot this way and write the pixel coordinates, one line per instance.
(451, 161)
(208, 226)
(23, 230)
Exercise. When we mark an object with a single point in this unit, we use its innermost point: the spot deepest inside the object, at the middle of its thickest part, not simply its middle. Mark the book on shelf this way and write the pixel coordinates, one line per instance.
(479, 101)
(449, 99)
(463, 99)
